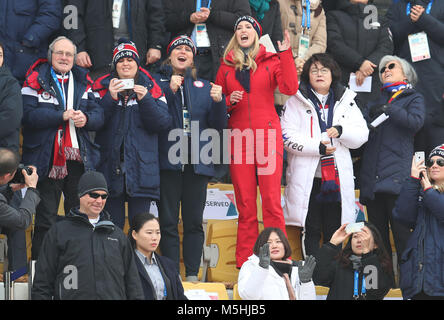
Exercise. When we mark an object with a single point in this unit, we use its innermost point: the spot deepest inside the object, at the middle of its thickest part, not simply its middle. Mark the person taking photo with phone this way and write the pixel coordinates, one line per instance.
(420, 207)
(362, 270)
(129, 156)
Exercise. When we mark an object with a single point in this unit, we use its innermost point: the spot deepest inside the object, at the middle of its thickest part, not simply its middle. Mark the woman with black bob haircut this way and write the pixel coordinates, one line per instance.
(362, 270)
(158, 275)
(284, 280)
(320, 124)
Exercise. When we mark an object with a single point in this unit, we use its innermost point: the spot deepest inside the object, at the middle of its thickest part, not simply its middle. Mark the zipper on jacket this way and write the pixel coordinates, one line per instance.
(311, 126)
(269, 75)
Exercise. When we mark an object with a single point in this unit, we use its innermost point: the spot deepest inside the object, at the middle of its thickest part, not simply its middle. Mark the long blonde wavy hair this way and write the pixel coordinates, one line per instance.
(238, 54)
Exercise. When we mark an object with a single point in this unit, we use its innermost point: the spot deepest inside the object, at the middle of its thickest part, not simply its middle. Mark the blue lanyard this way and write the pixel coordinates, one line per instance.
(199, 4)
(56, 80)
(306, 13)
(355, 285)
(428, 9)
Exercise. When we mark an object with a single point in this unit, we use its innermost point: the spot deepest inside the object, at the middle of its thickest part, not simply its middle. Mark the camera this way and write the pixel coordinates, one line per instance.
(19, 177)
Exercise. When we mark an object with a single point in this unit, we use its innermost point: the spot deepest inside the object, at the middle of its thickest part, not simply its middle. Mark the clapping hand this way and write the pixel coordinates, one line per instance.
(284, 45)
(216, 92)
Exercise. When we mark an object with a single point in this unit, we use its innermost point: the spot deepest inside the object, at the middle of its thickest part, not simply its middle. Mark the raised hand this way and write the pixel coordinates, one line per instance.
(264, 256)
(284, 45)
(306, 271)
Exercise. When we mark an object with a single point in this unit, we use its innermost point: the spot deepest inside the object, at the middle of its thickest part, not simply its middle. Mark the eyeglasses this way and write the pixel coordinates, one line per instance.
(390, 66)
(439, 162)
(63, 53)
(95, 195)
(323, 71)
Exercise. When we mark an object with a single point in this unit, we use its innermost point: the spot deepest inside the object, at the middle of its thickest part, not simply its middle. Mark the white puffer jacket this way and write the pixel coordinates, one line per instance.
(302, 136)
(257, 283)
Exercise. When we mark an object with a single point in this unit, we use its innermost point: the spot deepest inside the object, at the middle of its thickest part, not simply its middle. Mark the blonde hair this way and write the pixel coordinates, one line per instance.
(438, 187)
(239, 61)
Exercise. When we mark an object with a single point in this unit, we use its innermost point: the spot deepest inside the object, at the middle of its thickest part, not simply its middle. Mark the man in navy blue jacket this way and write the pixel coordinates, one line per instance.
(59, 111)
(25, 29)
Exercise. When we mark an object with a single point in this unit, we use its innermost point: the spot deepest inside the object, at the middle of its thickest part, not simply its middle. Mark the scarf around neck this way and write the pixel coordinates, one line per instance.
(260, 7)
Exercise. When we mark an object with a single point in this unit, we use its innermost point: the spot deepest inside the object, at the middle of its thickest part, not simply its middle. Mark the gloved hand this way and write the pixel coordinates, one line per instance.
(306, 271)
(264, 256)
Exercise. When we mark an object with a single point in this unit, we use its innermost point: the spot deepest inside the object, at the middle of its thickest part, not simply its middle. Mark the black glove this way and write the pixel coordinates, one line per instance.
(264, 256)
(306, 271)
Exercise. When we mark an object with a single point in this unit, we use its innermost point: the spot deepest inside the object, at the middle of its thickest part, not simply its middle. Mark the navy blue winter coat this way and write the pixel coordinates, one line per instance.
(204, 111)
(387, 156)
(431, 71)
(43, 114)
(422, 262)
(25, 28)
(136, 127)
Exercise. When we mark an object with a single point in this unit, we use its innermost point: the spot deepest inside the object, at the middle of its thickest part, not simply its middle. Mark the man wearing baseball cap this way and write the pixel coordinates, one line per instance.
(84, 255)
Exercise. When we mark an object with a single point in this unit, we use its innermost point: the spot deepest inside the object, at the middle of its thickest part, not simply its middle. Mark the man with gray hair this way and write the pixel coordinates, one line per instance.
(59, 111)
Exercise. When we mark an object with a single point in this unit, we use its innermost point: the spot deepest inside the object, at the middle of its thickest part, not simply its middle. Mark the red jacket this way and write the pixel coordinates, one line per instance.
(256, 109)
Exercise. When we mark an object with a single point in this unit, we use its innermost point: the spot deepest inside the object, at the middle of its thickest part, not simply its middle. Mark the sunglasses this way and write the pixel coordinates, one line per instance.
(95, 195)
(390, 66)
(439, 162)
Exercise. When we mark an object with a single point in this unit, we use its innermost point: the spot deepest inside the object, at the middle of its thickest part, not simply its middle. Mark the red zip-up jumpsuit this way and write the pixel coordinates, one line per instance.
(255, 114)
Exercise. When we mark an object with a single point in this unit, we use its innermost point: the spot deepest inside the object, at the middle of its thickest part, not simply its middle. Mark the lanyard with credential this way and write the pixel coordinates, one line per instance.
(61, 91)
(199, 4)
(355, 286)
(428, 9)
(306, 13)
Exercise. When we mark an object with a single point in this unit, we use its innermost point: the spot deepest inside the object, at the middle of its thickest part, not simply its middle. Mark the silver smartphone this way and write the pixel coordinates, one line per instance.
(419, 156)
(127, 83)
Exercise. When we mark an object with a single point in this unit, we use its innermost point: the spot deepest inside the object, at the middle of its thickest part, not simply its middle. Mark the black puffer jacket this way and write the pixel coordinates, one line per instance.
(11, 110)
(220, 23)
(350, 43)
(78, 261)
(95, 29)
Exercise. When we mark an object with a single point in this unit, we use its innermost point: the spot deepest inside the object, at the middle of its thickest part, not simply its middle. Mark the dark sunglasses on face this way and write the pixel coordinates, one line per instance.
(95, 195)
(390, 66)
(439, 162)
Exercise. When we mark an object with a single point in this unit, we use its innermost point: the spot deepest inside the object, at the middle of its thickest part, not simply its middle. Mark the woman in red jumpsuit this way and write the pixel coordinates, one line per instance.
(249, 76)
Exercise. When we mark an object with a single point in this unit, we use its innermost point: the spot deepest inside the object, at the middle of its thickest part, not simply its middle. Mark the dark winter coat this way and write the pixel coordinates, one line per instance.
(43, 114)
(95, 29)
(11, 110)
(207, 113)
(168, 269)
(431, 71)
(422, 262)
(220, 23)
(350, 43)
(330, 272)
(387, 157)
(26, 27)
(98, 259)
(135, 126)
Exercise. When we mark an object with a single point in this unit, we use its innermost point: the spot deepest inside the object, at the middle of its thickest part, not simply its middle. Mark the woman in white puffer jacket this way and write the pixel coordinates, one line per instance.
(321, 121)
(270, 274)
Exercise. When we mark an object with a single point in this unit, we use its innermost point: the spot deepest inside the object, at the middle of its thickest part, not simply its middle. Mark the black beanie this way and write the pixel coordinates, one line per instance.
(91, 181)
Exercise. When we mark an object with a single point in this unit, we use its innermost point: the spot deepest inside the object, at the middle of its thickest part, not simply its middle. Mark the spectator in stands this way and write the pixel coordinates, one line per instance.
(26, 28)
(134, 115)
(59, 112)
(159, 276)
(320, 124)
(183, 184)
(11, 217)
(362, 270)
(356, 45)
(209, 24)
(407, 20)
(267, 13)
(386, 156)
(101, 23)
(11, 107)
(270, 274)
(11, 112)
(420, 207)
(249, 75)
(292, 12)
(97, 261)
